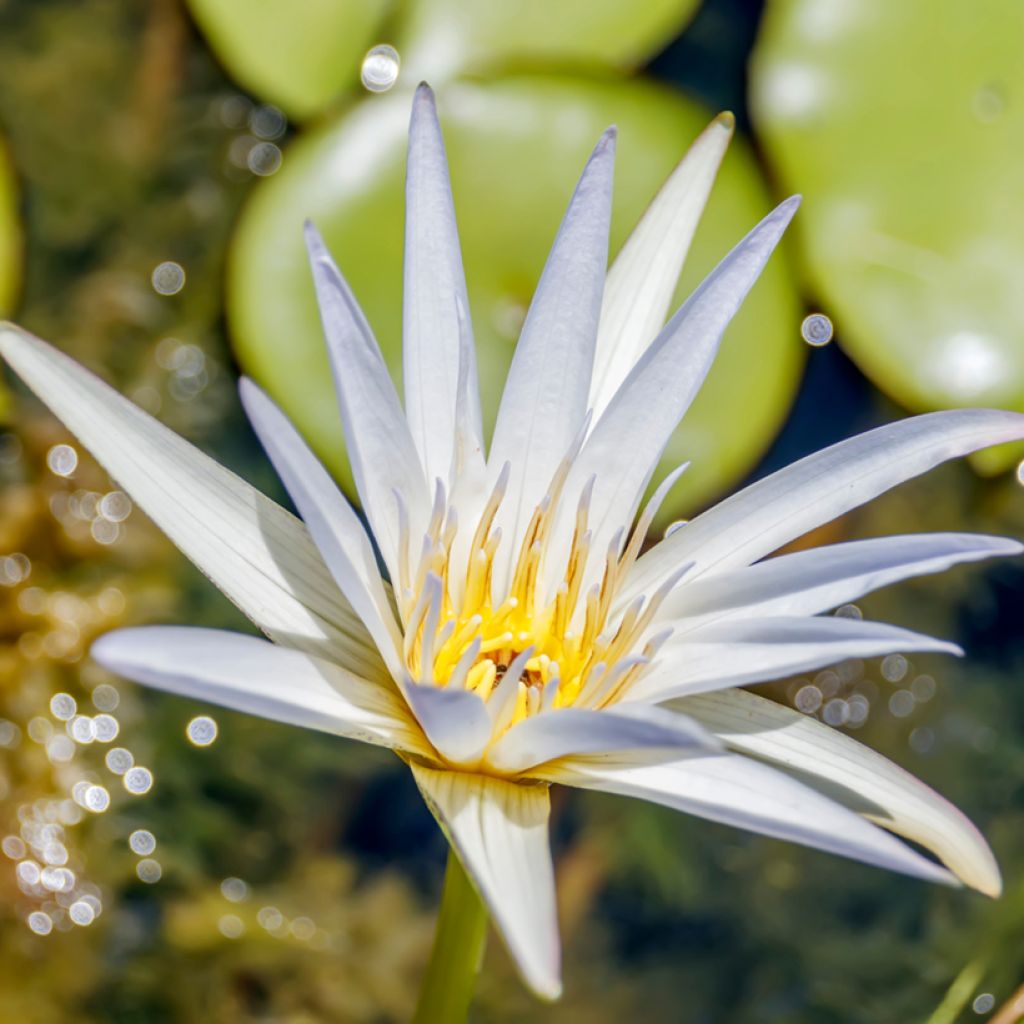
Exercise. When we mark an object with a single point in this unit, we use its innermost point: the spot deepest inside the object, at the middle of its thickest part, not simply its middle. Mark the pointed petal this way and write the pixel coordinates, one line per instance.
(545, 398)
(851, 774)
(761, 518)
(737, 652)
(380, 447)
(627, 441)
(568, 731)
(500, 832)
(643, 277)
(335, 528)
(469, 488)
(455, 721)
(258, 554)
(738, 791)
(434, 283)
(814, 581)
(248, 674)
(468, 453)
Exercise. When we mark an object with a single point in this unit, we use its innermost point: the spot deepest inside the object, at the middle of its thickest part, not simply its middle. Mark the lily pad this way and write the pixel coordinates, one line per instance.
(439, 38)
(10, 235)
(300, 56)
(515, 148)
(903, 125)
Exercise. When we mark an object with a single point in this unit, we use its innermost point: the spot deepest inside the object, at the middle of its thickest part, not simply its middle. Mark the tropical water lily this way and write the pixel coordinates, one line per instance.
(520, 635)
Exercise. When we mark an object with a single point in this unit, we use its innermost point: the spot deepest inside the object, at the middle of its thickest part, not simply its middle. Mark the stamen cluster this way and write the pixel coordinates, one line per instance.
(528, 649)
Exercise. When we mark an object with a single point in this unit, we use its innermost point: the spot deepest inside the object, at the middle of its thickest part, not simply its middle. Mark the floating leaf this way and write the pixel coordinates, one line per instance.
(439, 38)
(297, 55)
(10, 235)
(913, 225)
(515, 148)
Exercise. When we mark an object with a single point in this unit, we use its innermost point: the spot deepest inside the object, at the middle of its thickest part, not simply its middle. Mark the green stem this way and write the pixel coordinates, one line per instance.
(447, 988)
(959, 993)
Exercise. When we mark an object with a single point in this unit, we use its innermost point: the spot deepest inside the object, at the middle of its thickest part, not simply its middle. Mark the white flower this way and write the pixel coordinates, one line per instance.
(523, 639)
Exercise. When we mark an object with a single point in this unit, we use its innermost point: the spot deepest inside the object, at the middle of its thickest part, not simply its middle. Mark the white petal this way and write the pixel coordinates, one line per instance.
(380, 447)
(736, 652)
(761, 518)
(814, 581)
(545, 399)
(567, 731)
(639, 288)
(627, 441)
(738, 791)
(500, 832)
(851, 774)
(335, 528)
(469, 487)
(468, 452)
(257, 553)
(455, 721)
(246, 673)
(434, 283)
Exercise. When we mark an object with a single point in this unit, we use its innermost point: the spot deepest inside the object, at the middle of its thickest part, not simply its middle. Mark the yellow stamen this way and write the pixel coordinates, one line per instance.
(529, 650)
(481, 678)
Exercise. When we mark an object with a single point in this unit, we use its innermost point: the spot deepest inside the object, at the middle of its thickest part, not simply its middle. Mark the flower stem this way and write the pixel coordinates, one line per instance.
(447, 987)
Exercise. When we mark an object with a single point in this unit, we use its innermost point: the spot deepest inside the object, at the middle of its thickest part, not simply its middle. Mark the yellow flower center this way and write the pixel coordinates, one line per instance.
(566, 649)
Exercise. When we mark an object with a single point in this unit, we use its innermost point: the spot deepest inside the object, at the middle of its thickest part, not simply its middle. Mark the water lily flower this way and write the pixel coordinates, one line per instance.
(521, 635)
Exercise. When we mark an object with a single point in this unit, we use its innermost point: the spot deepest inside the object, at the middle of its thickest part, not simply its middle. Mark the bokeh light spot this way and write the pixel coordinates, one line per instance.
(816, 330)
(379, 70)
(202, 731)
(168, 278)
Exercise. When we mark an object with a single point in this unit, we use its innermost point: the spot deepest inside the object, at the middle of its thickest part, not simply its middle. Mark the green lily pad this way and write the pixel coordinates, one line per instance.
(303, 56)
(515, 148)
(903, 125)
(10, 235)
(439, 38)
(300, 56)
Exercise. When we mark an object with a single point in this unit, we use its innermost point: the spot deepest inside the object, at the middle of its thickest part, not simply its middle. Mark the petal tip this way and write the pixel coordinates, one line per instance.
(548, 990)
(316, 248)
(542, 972)
(933, 645)
(314, 240)
(980, 871)
(604, 149)
(993, 888)
(726, 120)
(103, 650)
(424, 110)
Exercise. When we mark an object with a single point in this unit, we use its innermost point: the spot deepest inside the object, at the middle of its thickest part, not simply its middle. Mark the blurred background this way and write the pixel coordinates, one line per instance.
(168, 862)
